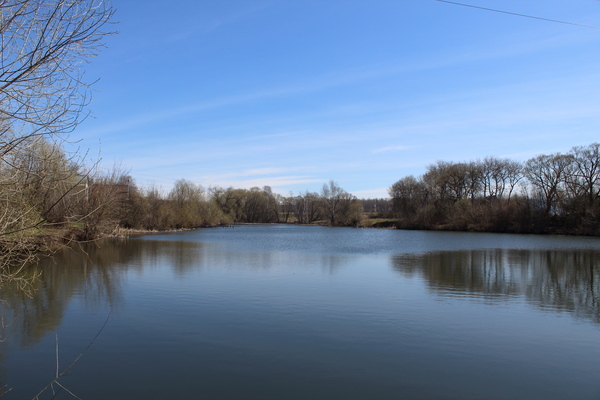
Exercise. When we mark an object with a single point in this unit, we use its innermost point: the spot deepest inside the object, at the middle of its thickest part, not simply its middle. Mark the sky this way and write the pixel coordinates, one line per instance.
(294, 93)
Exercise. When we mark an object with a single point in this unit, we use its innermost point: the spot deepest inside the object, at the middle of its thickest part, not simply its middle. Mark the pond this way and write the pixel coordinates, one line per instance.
(309, 312)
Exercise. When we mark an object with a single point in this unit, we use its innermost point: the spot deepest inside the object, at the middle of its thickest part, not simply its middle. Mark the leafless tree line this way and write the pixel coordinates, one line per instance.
(190, 205)
(548, 193)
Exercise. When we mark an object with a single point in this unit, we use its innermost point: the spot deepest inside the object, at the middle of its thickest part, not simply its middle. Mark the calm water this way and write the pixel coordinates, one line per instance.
(296, 312)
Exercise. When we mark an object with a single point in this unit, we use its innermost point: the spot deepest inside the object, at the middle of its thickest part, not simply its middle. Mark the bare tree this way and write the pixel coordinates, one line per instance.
(43, 94)
(547, 174)
(499, 177)
(332, 196)
(408, 195)
(307, 207)
(43, 45)
(286, 205)
(339, 206)
(585, 176)
(512, 174)
(189, 204)
(453, 181)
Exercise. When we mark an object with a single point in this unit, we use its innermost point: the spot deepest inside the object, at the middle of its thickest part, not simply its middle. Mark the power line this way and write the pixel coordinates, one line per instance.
(518, 15)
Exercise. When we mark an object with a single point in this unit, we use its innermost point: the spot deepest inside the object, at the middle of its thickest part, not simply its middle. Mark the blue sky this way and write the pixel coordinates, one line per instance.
(293, 93)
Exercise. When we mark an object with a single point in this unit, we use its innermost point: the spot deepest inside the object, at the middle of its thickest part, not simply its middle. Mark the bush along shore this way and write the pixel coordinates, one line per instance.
(554, 193)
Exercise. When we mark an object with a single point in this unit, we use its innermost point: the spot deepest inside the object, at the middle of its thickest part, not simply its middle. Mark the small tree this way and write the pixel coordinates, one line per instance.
(188, 204)
(547, 174)
(307, 207)
(332, 195)
(408, 195)
(584, 179)
(339, 206)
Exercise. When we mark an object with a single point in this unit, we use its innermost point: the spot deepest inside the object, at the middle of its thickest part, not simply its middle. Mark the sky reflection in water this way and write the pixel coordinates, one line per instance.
(309, 312)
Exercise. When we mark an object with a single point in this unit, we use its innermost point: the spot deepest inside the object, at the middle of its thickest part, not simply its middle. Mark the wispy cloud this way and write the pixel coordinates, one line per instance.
(187, 31)
(280, 184)
(392, 148)
(330, 80)
(255, 172)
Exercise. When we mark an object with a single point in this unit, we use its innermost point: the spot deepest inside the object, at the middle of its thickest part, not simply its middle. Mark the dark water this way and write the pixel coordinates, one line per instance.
(292, 312)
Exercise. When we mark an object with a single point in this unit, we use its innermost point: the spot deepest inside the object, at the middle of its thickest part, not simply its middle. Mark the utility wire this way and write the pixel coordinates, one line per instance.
(518, 15)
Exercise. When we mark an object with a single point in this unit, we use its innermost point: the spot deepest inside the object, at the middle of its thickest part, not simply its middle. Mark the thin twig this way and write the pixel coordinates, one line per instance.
(55, 380)
(71, 393)
(57, 370)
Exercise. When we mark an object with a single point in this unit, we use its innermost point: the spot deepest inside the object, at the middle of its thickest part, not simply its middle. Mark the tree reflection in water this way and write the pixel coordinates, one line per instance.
(190, 301)
(57, 280)
(557, 280)
(94, 273)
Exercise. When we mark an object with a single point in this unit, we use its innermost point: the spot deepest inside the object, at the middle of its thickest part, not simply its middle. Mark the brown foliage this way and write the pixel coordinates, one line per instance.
(557, 193)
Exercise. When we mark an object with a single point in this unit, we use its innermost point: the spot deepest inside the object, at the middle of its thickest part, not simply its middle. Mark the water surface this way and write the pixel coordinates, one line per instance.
(297, 312)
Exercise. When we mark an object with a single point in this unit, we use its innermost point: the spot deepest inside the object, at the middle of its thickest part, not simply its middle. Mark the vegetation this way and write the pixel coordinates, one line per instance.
(556, 193)
(189, 205)
(42, 98)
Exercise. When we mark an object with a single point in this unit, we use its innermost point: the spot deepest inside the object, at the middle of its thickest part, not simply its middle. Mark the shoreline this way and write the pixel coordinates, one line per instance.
(51, 238)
